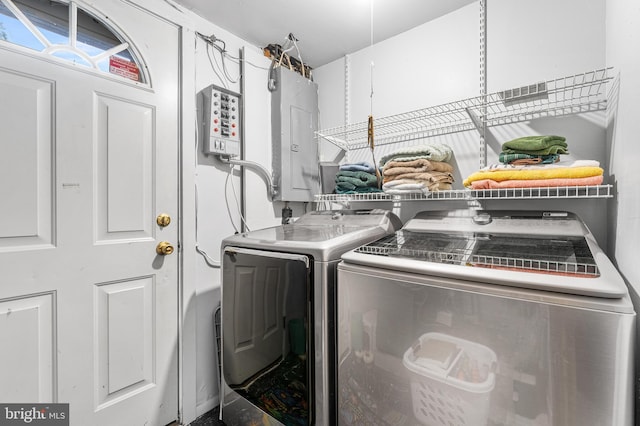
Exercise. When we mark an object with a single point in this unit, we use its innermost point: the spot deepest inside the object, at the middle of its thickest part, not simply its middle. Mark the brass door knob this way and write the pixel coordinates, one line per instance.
(163, 220)
(164, 248)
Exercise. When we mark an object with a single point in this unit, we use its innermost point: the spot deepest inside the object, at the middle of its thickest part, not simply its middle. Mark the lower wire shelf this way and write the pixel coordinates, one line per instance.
(592, 191)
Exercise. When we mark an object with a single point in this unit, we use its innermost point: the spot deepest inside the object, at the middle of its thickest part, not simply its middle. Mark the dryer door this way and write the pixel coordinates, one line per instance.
(265, 322)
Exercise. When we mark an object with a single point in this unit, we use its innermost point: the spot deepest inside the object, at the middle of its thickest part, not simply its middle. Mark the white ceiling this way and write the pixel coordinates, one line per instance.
(325, 29)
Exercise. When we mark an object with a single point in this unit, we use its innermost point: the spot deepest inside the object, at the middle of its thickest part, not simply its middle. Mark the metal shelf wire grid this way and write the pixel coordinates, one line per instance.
(563, 257)
(574, 94)
(594, 191)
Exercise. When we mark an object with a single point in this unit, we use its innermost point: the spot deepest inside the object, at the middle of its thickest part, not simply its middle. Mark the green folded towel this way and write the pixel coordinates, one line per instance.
(357, 179)
(546, 151)
(435, 152)
(535, 143)
(348, 188)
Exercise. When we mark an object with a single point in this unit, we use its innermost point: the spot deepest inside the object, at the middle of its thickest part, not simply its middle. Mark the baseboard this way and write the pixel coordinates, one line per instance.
(207, 406)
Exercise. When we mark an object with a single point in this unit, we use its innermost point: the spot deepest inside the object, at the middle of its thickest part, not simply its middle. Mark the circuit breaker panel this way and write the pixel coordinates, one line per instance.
(221, 120)
(294, 121)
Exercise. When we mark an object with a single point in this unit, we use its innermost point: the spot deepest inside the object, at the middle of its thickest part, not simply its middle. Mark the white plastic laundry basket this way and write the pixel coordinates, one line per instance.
(451, 380)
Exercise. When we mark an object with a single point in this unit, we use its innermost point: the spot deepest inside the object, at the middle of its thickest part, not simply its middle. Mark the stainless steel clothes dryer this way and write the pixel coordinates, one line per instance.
(278, 316)
(484, 318)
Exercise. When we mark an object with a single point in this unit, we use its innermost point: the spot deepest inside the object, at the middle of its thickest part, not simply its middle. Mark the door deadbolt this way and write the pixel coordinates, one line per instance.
(163, 220)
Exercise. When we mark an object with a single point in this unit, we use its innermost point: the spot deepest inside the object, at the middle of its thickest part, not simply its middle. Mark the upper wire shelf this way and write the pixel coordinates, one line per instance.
(579, 93)
(592, 191)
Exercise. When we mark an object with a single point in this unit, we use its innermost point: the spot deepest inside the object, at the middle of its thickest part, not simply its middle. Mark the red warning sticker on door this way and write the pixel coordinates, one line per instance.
(124, 68)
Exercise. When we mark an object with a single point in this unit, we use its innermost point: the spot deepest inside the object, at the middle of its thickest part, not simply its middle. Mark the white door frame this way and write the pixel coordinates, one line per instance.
(187, 374)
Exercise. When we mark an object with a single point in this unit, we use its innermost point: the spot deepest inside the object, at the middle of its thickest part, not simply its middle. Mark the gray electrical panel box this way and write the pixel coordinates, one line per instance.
(294, 121)
(221, 109)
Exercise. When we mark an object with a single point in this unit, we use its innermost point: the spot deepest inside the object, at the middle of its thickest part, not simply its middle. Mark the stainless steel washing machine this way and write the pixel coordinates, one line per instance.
(484, 318)
(278, 316)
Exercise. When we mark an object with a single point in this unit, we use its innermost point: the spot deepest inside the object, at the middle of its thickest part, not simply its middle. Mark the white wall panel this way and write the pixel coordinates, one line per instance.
(623, 45)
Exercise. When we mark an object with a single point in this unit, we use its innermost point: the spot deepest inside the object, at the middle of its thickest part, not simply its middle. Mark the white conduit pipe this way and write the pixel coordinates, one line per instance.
(256, 167)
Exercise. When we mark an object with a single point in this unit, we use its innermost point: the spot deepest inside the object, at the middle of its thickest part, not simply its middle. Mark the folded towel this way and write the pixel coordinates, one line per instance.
(513, 158)
(527, 161)
(405, 187)
(536, 183)
(348, 188)
(361, 166)
(556, 165)
(394, 168)
(437, 152)
(534, 143)
(357, 178)
(419, 187)
(423, 176)
(557, 149)
(537, 173)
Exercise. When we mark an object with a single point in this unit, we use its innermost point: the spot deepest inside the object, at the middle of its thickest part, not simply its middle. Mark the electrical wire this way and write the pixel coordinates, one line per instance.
(212, 61)
(299, 54)
(211, 40)
(235, 195)
(224, 69)
(208, 259)
(227, 203)
(214, 42)
(235, 58)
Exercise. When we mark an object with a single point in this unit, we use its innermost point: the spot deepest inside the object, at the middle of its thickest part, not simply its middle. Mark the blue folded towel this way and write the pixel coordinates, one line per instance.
(361, 166)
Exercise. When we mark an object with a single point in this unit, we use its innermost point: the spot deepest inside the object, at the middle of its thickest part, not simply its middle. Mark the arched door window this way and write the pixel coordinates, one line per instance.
(63, 30)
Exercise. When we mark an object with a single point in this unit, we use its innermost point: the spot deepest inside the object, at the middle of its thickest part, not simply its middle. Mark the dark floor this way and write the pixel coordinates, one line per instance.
(208, 419)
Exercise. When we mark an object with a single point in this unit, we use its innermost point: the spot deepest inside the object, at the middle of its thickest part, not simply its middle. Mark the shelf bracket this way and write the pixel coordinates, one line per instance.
(342, 144)
(477, 121)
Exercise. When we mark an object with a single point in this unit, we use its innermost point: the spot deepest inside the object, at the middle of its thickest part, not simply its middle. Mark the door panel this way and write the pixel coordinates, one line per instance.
(27, 368)
(26, 210)
(88, 163)
(125, 168)
(125, 330)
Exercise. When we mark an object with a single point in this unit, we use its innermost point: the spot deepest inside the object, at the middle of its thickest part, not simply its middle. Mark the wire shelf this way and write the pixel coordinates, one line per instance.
(576, 94)
(512, 263)
(594, 191)
(568, 256)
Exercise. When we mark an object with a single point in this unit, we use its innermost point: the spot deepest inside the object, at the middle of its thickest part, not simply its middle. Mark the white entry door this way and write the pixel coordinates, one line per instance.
(88, 161)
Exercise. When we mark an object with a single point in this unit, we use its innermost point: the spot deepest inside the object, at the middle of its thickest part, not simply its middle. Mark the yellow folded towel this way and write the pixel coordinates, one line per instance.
(526, 174)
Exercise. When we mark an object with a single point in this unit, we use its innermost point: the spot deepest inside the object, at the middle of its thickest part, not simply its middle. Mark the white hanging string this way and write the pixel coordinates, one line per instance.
(370, 135)
(371, 52)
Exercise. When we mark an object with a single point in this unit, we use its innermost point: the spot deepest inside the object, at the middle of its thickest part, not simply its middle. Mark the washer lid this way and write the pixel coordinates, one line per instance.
(323, 234)
(326, 225)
